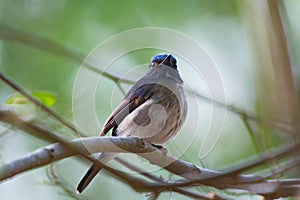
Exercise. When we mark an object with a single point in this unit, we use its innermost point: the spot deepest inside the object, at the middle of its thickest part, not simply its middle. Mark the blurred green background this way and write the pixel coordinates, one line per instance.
(216, 25)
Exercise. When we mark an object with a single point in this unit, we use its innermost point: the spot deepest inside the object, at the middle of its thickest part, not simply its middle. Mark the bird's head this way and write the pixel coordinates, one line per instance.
(163, 59)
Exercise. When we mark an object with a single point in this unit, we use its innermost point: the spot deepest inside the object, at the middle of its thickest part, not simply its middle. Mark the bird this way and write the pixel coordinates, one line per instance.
(154, 109)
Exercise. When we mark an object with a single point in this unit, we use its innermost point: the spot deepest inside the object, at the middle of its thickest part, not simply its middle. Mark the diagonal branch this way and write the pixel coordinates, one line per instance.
(37, 103)
(54, 48)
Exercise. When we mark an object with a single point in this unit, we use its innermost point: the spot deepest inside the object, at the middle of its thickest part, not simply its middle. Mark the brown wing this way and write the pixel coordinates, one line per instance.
(134, 98)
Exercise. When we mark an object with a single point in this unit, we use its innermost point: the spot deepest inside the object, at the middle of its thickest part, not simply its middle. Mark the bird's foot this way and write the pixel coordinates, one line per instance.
(161, 148)
(158, 146)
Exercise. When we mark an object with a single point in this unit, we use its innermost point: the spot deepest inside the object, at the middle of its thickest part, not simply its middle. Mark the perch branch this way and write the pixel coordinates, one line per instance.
(96, 144)
(199, 176)
(29, 162)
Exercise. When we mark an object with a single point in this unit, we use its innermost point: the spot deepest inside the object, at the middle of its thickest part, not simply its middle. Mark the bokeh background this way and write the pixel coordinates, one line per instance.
(220, 27)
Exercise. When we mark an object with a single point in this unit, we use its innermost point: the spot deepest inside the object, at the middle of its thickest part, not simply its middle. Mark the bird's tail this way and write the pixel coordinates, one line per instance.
(94, 170)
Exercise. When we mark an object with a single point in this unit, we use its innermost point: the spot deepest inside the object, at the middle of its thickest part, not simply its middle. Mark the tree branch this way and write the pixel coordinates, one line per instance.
(54, 48)
(36, 131)
(195, 175)
(96, 144)
(57, 151)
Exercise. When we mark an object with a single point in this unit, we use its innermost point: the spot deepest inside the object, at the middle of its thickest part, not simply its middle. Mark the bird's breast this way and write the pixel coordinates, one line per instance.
(158, 119)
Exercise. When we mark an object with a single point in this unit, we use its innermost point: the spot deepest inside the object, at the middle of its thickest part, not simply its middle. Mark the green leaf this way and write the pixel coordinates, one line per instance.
(16, 99)
(45, 97)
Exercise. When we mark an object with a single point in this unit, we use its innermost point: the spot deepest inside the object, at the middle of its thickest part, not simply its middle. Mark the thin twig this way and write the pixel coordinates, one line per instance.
(138, 170)
(283, 169)
(53, 175)
(190, 194)
(253, 135)
(120, 88)
(279, 125)
(55, 48)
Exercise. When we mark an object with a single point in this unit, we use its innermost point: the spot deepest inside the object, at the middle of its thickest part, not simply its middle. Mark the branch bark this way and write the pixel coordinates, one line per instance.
(91, 145)
(195, 175)
(57, 151)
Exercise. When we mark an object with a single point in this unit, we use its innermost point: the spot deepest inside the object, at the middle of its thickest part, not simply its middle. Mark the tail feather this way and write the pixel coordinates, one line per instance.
(93, 171)
(88, 177)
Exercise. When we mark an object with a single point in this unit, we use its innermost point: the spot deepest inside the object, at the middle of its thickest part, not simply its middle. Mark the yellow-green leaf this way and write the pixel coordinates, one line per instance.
(45, 97)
